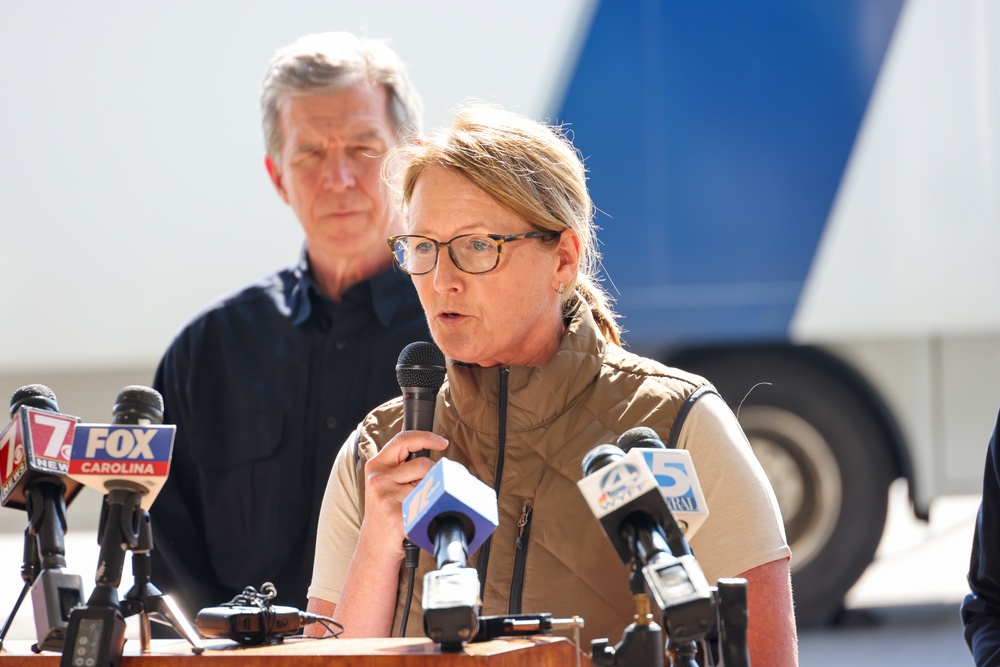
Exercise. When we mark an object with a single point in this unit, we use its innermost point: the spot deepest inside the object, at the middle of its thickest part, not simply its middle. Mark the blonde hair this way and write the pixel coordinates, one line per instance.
(530, 168)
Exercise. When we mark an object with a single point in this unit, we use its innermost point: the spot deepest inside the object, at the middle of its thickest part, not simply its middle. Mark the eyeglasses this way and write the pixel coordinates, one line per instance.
(472, 253)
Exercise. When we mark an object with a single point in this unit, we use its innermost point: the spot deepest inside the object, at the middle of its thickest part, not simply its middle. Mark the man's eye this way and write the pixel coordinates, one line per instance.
(368, 150)
(308, 155)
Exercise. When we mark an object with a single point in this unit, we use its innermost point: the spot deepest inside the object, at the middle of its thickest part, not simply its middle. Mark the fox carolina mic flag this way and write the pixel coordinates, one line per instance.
(123, 453)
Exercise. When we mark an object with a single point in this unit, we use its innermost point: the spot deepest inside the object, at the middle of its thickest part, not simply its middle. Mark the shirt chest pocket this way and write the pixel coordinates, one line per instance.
(242, 473)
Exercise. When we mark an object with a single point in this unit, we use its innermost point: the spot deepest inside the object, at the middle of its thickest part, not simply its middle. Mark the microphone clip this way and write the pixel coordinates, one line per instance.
(250, 618)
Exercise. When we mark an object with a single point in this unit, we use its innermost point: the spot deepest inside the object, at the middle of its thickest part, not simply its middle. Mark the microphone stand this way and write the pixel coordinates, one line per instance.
(30, 565)
(97, 630)
(730, 600)
(53, 591)
(144, 598)
(642, 641)
(732, 595)
(683, 654)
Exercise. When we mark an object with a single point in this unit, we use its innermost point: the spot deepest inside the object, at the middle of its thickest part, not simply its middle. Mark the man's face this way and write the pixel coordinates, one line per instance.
(328, 172)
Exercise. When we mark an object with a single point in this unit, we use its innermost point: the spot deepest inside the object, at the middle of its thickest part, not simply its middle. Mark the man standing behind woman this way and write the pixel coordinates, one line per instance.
(501, 245)
(265, 385)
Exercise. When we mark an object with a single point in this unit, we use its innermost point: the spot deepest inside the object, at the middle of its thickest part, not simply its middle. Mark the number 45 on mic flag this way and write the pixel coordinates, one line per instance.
(670, 470)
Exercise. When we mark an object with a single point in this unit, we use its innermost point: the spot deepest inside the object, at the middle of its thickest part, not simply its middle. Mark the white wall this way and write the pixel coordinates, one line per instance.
(132, 186)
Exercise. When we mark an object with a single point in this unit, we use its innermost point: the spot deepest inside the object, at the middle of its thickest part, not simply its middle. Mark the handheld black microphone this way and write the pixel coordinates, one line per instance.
(35, 445)
(627, 501)
(420, 371)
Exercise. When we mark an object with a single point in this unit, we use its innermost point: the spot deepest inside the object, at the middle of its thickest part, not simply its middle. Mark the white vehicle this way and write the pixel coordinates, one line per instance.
(802, 205)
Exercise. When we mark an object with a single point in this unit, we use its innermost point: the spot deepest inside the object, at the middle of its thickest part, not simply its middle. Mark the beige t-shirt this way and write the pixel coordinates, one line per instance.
(726, 469)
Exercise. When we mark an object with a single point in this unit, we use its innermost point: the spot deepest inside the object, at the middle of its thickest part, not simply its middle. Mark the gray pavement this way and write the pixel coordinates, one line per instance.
(904, 609)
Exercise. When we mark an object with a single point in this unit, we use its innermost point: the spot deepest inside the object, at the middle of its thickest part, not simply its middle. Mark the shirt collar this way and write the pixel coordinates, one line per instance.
(390, 290)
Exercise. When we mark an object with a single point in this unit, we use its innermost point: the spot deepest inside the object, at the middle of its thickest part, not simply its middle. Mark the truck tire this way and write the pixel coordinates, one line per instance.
(828, 462)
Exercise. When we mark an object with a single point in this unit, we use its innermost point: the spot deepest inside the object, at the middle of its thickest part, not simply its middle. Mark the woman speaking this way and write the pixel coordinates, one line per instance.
(501, 247)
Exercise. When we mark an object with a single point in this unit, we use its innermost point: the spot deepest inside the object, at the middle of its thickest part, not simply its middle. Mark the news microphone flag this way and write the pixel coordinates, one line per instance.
(678, 482)
(39, 441)
(670, 471)
(449, 488)
(129, 453)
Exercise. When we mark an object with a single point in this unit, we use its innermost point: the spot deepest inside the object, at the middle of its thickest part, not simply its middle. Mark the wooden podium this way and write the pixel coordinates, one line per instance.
(540, 651)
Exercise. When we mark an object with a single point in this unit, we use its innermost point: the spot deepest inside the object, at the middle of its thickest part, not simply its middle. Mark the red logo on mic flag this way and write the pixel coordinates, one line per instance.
(12, 463)
(51, 439)
(34, 439)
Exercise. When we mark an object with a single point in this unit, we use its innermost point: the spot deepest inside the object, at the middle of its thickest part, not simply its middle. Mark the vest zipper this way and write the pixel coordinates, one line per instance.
(483, 562)
(520, 557)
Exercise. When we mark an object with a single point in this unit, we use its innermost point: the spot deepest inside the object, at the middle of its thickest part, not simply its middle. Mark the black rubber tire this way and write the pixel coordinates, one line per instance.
(827, 459)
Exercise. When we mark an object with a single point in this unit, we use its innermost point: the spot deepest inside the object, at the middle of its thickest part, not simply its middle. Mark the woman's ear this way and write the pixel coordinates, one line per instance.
(568, 255)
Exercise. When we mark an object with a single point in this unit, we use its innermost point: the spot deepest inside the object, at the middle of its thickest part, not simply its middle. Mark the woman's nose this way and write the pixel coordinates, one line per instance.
(447, 276)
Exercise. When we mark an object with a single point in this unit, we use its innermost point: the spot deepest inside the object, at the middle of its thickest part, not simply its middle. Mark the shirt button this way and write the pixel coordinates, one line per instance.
(331, 423)
(341, 344)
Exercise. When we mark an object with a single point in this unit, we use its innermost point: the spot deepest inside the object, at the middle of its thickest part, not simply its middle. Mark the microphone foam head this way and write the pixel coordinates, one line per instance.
(600, 456)
(138, 405)
(34, 396)
(421, 364)
(640, 436)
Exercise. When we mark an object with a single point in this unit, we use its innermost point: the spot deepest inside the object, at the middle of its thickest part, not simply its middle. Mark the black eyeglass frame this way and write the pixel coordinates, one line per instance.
(499, 238)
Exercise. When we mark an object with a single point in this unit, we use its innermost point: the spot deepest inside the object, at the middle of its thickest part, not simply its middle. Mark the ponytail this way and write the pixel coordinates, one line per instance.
(600, 307)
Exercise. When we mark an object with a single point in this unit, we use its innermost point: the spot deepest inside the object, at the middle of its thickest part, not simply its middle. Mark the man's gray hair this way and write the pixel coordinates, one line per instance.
(332, 61)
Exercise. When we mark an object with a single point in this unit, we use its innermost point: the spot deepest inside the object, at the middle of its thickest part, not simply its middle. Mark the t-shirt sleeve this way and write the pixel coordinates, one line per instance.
(744, 527)
(339, 525)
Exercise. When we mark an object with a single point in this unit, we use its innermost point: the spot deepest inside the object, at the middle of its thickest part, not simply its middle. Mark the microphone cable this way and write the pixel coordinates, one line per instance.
(411, 558)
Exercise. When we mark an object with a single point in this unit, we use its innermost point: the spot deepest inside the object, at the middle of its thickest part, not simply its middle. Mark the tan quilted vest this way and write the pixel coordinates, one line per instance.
(588, 395)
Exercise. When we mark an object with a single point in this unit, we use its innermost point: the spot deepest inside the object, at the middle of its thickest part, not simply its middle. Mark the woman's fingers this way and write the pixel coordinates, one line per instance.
(392, 473)
(410, 443)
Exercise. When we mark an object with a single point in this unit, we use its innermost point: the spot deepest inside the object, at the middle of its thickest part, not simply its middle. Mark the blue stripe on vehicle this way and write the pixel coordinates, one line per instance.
(716, 135)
